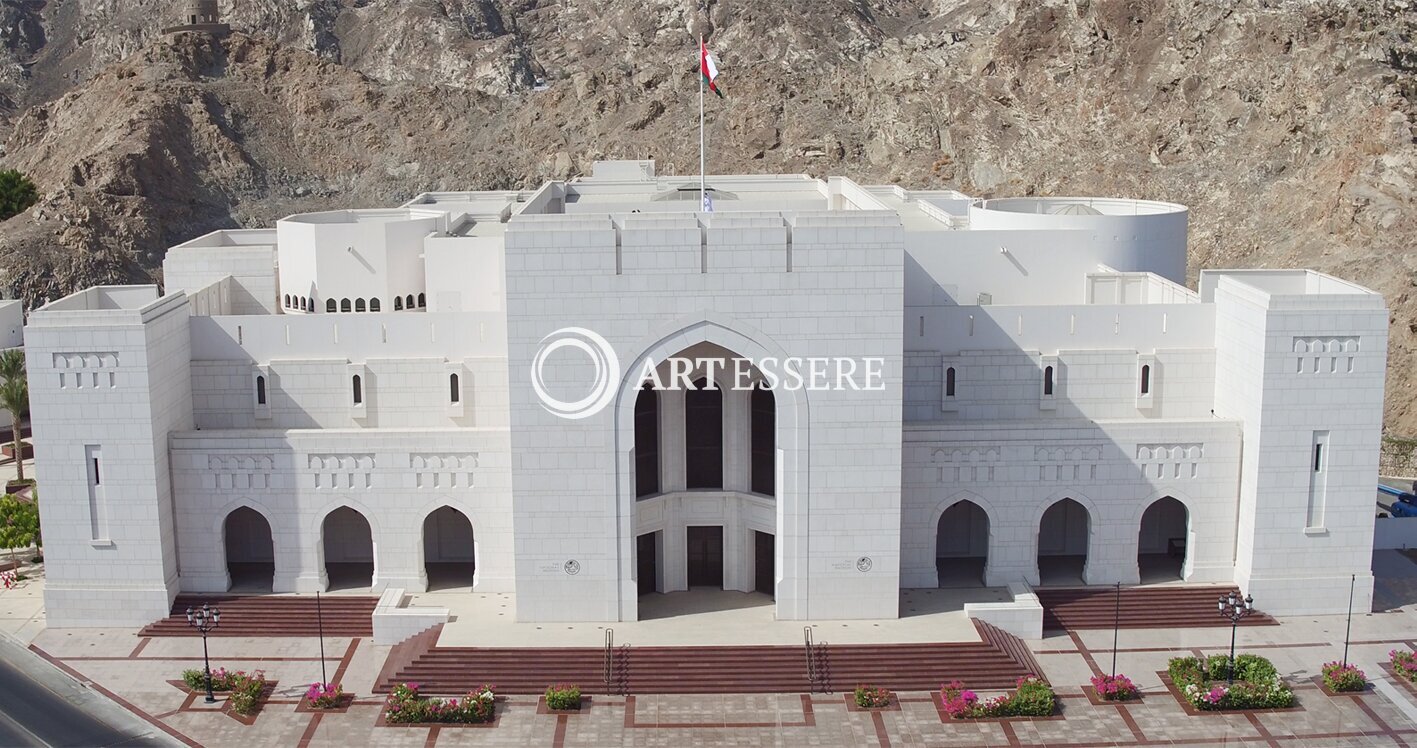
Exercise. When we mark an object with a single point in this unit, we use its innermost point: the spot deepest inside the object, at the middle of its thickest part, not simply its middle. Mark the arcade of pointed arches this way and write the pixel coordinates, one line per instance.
(346, 541)
(1063, 534)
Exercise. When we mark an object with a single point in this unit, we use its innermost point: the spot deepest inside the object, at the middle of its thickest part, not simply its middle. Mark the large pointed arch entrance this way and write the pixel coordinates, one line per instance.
(717, 507)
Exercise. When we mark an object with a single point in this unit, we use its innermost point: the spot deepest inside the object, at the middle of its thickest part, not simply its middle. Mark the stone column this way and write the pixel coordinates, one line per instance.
(737, 440)
(672, 475)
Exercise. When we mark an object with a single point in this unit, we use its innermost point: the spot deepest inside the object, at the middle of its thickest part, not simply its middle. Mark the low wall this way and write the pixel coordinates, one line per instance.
(1023, 617)
(1395, 533)
(393, 622)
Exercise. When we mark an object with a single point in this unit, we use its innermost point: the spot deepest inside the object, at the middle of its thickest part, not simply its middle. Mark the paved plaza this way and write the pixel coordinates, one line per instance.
(135, 671)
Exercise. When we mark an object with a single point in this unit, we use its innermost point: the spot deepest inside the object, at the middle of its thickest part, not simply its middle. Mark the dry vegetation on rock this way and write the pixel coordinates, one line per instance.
(1287, 126)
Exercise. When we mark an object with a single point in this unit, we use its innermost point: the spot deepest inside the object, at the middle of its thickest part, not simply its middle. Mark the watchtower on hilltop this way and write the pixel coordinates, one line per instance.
(202, 16)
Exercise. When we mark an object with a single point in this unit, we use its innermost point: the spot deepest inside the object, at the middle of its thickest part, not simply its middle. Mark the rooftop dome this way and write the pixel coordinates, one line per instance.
(1075, 209)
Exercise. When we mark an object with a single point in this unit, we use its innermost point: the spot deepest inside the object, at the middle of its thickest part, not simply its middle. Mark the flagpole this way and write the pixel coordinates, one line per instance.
(703, 159)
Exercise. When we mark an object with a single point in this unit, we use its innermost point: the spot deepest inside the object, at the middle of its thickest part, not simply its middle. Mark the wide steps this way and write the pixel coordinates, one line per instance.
(1140, 607)
(272, 615)
(995, 663)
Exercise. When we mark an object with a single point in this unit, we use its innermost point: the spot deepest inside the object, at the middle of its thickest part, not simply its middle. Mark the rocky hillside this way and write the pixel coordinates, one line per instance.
(1287, 126)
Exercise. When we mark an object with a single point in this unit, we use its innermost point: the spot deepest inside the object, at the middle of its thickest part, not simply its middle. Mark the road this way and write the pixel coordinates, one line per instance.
(48, 709)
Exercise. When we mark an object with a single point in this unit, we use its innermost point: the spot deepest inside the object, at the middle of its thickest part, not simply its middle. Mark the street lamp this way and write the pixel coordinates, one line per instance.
(205, 619)
(1235, 609)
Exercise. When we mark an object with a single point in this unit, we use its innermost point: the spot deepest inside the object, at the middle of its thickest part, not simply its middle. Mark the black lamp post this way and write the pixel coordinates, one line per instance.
(1235, 609)
(205, 619)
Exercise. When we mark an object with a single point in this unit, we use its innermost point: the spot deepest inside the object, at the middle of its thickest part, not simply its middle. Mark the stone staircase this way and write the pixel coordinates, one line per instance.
(1141, 607)
(995, 662)
(272, 615)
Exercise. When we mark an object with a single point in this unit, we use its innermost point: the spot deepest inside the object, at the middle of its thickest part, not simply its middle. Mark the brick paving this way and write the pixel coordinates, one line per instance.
(135, 670)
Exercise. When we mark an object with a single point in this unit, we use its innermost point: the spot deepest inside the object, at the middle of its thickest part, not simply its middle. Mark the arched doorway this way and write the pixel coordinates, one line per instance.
(349, 550)
(1062, 544)
(1161, 542)
(449, 555)
(250, 552)
(962, 545)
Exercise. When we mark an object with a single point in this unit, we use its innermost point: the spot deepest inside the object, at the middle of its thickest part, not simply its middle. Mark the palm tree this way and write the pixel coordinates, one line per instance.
(15, 397)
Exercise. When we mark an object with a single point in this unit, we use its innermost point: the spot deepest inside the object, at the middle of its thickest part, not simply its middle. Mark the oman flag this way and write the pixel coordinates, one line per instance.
(709, 68)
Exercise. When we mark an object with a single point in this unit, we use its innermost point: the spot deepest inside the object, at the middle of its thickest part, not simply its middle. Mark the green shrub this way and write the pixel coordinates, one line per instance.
(563, 697)
(17, 194)
(196, 679)
(1257, 683)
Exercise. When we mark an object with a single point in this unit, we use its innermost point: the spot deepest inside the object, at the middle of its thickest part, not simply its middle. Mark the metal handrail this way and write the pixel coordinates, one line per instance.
(811, 662)
(609, 657)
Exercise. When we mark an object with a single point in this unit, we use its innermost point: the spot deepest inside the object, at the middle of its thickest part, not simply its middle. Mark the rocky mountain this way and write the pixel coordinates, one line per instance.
(1286, 125)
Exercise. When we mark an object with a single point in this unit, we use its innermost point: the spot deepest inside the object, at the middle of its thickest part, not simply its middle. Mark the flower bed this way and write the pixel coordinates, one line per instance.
(407, 707)
(561, 697)
(1115, 688)
(1032, 697)
(1404, 663)
(1203, 684)
(324, 696)
(1341, 678)
(244, 691)
(872, 697)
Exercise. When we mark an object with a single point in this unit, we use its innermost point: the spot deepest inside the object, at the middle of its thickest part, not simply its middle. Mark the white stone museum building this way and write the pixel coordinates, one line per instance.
(990, 392)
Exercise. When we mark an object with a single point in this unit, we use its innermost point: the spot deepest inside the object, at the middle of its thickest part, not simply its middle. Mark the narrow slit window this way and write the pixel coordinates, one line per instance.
(1318, 458)
(950, 382)
(358, 386)
(1146, 379)
(97, 477)
(1048, 380)
(260, 390)
(454, 388)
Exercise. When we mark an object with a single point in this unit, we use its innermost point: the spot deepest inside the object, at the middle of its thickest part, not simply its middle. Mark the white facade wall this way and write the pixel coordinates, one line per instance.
(215, 398)
(1302, 361)
(247, 257)
(395, 478)
(110, 546)
(1015, 471)
(838, 497)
